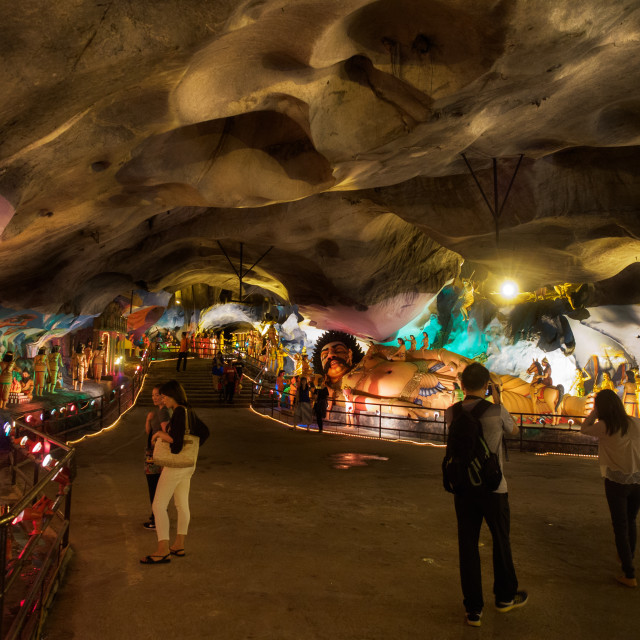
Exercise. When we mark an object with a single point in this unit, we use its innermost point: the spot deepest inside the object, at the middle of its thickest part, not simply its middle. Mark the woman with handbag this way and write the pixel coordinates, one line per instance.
(178, 460)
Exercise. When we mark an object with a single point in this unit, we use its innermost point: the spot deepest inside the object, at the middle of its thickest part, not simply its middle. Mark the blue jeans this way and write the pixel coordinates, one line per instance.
(470, 512)
(624, 504)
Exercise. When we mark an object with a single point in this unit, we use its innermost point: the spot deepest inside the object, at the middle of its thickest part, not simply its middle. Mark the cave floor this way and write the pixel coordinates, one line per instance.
(285, 545)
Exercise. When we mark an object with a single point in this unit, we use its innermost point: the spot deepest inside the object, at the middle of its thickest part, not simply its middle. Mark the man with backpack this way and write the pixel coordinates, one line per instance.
(472, 470)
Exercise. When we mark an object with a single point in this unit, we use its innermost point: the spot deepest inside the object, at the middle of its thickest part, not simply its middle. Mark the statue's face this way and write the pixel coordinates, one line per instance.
(336, 360)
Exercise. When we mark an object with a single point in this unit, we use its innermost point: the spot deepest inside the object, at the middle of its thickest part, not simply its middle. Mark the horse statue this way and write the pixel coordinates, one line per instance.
(545, 398)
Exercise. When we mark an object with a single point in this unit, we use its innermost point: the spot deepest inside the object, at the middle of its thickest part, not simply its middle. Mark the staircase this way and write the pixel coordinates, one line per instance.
(196, 381)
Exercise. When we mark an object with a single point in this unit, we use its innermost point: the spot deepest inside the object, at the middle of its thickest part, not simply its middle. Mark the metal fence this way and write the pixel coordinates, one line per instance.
(34, 530)
(536, 432)
(37, 475)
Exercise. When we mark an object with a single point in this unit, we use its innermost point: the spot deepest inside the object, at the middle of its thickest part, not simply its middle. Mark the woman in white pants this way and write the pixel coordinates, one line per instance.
(173, 481)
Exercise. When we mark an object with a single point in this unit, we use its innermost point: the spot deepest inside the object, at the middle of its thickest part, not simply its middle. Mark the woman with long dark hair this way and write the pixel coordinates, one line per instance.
(173, 481)
(619, 455)
(302, 414)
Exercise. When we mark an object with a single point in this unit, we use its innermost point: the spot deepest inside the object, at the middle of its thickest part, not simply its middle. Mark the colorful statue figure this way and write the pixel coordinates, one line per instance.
(40, 370)
(6, 377)
(629, 394)
(54, 363)
(306, 365)
(541, 379)
(425, 341)
(26, 384)
(88, 356)
(78, 367)
(412, 344)
(578, 384)
(272, 360)
(468, 298)
(401, 351)
(98, 363)
(415, 387)
(607, 382)
(281, 354)
(565, 290)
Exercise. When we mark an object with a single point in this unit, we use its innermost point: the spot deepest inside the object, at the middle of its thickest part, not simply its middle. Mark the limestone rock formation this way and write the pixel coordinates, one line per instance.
(136, 136)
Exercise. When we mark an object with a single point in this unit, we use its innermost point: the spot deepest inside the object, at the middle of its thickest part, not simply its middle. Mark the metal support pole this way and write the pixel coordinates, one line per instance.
(67, 516)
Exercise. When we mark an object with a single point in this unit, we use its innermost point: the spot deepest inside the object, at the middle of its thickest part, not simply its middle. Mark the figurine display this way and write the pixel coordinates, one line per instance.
(88, 355)
(6, 377)
(468, 298)
(582, 376)
(78, 367)
(26, 385)
(401, 352)
(541, 386)
(607, 383)
(54, 364)
(416, 387)
(425, 341)
(40, 371)
(629, 394)
(98, 363)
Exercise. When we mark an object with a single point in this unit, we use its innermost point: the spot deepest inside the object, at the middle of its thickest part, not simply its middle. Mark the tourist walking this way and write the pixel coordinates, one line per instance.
(491, 506)
(321, 403)
(229, 380)
(183, 352)
(302, 414)
(619, 456)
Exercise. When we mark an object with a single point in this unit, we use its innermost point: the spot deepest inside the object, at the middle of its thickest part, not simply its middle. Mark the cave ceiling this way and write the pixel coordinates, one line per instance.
(138, 137)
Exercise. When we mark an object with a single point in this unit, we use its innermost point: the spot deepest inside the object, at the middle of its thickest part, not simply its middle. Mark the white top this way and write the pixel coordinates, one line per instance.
(496, 421)
(619, 456)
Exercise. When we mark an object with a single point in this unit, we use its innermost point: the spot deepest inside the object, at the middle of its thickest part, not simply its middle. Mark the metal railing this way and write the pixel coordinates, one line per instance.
(31, 561)
(536, 432)
(90, 414)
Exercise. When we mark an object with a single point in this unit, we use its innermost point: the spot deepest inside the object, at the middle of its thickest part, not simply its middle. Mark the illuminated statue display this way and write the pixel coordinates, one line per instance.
(98, 363)
(541, 387)
(582, 376)
(629, 394)
(78, 367)
(415, 387)
(54, 364)
(40, 371)
(606, 383)
(468, 298)
(88, 356)
(6, 377)
(26, 385)
(401, 352)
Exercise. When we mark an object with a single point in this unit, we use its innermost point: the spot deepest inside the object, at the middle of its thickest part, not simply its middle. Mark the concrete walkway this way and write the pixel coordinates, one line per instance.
(284, 546)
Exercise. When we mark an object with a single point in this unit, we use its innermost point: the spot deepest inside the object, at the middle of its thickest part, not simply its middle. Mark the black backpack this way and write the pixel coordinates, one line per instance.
(469, 466)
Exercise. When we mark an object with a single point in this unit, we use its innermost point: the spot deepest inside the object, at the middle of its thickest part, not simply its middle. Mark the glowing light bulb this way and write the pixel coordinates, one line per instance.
(509, 289)
(47, 460)
(37, 447)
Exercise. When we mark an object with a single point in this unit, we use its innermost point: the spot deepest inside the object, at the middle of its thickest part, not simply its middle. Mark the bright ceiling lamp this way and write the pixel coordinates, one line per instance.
(509, 289)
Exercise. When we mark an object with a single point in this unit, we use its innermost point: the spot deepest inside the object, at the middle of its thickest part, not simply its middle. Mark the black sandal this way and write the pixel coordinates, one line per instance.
(177, 552)
(150, 559)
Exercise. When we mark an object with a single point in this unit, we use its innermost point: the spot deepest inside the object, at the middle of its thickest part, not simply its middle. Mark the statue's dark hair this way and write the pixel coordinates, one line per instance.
(336, 336)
